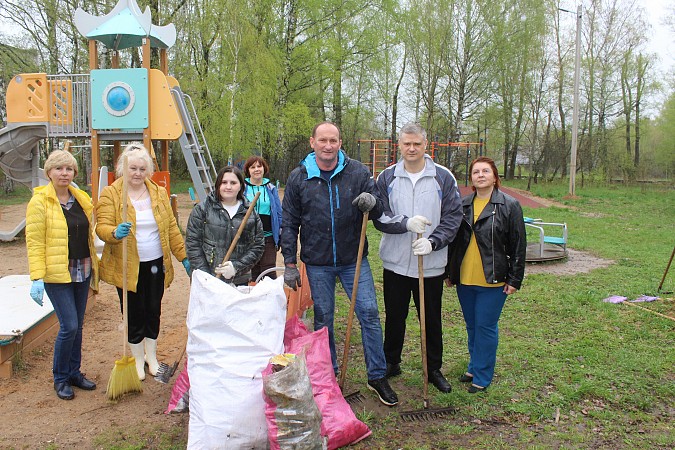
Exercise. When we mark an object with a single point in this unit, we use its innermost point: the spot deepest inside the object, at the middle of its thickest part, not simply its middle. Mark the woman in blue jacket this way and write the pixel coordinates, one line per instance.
(268, 208)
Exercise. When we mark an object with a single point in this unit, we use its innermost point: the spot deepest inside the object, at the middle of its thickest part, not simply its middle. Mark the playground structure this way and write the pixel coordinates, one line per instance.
(114, 106)
(547, 241)
(384, 152)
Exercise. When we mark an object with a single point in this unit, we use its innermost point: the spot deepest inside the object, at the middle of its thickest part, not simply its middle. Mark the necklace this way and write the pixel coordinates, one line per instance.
(137, 198)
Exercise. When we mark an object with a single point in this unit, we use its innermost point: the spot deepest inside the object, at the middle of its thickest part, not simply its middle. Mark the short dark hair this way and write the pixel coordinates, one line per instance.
(493, 166)
(326, 122)
(219, 181)
(252, 161)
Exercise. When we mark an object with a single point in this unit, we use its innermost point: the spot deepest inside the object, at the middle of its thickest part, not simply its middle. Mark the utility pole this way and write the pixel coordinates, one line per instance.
(575, 110)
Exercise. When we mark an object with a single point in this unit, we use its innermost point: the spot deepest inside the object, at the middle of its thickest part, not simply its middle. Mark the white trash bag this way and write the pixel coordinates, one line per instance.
(231, 337)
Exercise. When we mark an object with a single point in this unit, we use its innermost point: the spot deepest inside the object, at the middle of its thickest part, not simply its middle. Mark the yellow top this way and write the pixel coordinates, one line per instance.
(471, 272)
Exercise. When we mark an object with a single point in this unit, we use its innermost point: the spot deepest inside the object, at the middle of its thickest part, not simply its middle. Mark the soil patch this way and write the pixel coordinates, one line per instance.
(575, 263)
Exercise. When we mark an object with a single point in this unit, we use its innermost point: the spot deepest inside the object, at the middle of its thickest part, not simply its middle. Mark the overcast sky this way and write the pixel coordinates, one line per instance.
(662, 38)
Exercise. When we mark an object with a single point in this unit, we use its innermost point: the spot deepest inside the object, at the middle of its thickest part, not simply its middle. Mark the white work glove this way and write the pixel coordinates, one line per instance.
(421, 247)
(226, 270)
(417, 224)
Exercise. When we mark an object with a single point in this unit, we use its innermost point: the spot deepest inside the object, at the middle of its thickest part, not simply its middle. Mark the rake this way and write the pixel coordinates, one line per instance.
(426, 413)
(666, 273)
(354, 397)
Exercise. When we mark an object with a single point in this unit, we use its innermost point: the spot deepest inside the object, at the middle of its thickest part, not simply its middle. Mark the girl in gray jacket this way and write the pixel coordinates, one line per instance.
(213, 224)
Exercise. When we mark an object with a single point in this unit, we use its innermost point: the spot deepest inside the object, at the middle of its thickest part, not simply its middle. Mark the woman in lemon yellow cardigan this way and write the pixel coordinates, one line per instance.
(63, 262)
(153, 235)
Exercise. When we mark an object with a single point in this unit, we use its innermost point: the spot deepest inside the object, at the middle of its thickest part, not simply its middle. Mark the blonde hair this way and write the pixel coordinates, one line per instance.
(59, 158)
(135, 150)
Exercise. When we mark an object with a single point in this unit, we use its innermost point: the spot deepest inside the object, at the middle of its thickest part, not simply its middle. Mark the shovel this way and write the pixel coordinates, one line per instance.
(354, 396)
(426, 413)
(165, 371)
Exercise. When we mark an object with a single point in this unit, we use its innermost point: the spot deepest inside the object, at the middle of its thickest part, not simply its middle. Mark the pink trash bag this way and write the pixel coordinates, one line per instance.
(339, 422)
(180, 394)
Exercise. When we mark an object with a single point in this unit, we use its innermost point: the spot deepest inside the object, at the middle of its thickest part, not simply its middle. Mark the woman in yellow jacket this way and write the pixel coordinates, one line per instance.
(62, 261)
(153, 235)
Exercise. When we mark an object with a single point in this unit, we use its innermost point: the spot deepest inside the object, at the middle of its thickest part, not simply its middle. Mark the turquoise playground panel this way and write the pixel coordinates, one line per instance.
(119, 99)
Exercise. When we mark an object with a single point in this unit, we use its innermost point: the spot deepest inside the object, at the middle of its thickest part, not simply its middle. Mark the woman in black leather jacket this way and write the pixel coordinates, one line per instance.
(213, 224)
(486, 262)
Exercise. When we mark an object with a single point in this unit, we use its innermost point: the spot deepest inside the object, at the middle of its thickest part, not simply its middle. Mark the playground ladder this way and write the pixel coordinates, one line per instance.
(193, 143)
(381, 155)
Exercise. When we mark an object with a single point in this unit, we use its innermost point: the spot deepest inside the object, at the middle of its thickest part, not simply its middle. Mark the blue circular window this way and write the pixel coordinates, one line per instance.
(118, 98)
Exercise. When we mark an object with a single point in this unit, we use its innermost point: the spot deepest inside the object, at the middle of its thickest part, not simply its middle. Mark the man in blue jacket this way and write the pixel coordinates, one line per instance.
(324, 202)
(419, 197)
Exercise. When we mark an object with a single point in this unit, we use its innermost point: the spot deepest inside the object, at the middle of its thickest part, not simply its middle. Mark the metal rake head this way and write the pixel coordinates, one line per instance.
(424, 415)
(165, 372)
(355, 397)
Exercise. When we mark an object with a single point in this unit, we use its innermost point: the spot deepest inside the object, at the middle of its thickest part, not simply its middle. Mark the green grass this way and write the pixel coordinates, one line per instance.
(137, 437)
(602, 366)
(21, 194)
(605, 371)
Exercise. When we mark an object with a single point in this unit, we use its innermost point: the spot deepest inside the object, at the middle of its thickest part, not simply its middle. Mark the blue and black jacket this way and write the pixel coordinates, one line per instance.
(322, 213)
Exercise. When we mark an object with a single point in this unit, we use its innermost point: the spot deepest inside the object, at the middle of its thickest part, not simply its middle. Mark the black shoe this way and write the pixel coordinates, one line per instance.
(64, 391)
(81, 382)
(393, 370)
(437, 379)
(384, 391)
(466, 378)
(474, 389)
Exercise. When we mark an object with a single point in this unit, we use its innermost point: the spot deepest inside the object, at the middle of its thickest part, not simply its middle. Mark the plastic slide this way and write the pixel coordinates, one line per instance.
(17, 144)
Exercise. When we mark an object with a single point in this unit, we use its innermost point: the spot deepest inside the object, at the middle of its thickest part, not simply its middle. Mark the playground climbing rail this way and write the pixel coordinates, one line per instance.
(193, 143)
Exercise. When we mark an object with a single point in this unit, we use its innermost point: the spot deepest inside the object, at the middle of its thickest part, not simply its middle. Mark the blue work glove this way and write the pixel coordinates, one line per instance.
(122, 230)
(37, 291)
(186, 264)
(364, 201)
(292, 277)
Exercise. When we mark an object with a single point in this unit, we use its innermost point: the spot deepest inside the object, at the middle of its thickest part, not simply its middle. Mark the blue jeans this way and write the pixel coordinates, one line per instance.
(70, 302)
(481, 307)
(322, 283)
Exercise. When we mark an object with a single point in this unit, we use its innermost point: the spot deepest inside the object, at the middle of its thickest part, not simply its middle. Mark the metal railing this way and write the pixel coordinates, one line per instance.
(69, 105)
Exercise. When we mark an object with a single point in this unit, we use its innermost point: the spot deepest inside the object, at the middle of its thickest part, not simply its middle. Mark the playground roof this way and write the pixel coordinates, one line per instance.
(124, 27)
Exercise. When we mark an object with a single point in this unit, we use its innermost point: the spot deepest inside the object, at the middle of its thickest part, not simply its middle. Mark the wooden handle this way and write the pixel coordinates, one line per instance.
(125, 256)
(666, 271)
(352, 306)
(649, 310)
(423, 326)
(240, 230)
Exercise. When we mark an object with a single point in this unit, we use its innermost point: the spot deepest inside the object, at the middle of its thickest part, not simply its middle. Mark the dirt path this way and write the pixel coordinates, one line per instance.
(31, 416)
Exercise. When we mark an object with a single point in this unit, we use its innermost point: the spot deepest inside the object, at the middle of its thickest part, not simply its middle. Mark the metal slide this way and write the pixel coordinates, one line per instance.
(18, 152)
(193, 143)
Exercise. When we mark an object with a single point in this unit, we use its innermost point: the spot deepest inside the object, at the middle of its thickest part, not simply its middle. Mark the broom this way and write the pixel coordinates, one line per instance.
(124, 378)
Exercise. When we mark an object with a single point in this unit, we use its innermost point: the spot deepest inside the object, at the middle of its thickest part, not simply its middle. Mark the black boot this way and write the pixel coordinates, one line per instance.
(437, 379)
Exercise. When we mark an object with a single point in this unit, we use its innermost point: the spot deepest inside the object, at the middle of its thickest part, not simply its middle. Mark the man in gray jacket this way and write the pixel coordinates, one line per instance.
(418, 196)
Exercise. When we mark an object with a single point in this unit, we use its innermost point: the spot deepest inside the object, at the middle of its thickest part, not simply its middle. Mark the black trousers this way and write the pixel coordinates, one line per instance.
(145, 305)
(397, 290)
